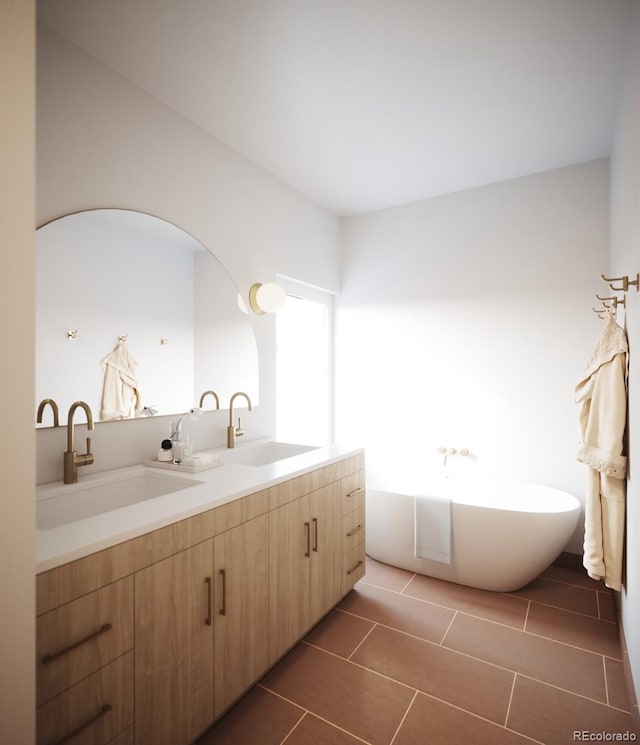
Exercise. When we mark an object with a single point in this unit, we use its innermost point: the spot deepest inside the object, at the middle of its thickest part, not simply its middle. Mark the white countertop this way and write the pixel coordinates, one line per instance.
(220, 485)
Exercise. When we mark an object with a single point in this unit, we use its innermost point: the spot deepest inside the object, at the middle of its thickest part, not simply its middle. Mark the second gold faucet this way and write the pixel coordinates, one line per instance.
(232, 431)
(71, 458)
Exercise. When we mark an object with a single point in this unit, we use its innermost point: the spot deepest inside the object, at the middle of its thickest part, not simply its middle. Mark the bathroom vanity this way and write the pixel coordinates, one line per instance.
(149, 634)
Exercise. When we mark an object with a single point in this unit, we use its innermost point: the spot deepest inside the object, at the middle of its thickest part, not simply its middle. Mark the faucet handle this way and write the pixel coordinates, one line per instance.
(87, 458)
(239, 430)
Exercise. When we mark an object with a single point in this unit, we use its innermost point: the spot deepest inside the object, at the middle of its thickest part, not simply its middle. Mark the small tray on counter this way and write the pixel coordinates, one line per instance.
(185, 467)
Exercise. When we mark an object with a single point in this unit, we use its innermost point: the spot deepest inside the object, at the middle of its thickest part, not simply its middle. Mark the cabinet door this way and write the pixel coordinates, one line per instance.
(174, 648)
(241, 626)
(326, 549)
(290, 551)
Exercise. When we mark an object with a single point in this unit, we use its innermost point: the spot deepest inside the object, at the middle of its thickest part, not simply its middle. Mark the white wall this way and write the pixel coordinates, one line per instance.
(103, 142)
(466, 321)
(625, 259)
(17, 321)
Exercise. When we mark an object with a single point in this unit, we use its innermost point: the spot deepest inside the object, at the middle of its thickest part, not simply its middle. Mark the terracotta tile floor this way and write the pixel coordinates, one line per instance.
(410, 660)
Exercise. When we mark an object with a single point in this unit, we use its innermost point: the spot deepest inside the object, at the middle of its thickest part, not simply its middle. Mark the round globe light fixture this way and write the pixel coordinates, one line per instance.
(266, 298)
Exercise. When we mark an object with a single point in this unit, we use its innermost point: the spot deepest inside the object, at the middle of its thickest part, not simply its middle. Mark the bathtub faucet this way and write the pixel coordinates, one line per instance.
(446, 452)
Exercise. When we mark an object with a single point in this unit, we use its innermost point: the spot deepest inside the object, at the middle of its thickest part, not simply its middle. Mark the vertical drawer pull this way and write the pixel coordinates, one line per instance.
(354, 531)
(353, 569)
(315, 540)
(209, 619)
(93, 635)
(307, 527)
(223, 607)
(67, 738)
(355, 491)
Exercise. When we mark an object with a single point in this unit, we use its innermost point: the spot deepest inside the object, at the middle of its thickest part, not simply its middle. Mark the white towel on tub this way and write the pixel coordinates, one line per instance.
(432, 521)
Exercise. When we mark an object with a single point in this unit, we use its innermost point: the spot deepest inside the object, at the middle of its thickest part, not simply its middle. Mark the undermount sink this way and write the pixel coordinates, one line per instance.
(266, 453)
(60, 504)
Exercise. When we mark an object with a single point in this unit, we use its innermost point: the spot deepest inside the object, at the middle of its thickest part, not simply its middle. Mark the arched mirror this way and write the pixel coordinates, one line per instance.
(108, 275)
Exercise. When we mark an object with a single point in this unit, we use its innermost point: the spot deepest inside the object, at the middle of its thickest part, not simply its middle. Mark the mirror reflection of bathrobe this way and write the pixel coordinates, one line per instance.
(603, 395)
(121, 397)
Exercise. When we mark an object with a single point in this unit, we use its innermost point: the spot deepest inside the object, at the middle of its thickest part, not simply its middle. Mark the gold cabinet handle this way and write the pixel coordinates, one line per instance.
(307, 527)
(355, 491)
(354, 531)
(209, 619)
(67, 738)
(315, 540)
(353, 569)
(93, 635)
(223, 607)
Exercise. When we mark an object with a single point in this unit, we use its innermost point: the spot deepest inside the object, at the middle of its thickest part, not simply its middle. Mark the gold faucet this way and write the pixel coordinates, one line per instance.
(54, 408)
(233, 432)
(209, 393)
(71, 458)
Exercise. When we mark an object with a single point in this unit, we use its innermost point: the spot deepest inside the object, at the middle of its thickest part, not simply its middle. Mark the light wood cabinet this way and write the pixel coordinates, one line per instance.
(93, 711)
(184, 619)
(352, 529)
(80, 637)
(306, 564)
(241, 624)
(289, 588)
(174, 647)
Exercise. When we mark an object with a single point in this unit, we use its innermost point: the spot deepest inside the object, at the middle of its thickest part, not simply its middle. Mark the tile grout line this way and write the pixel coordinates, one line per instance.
(568, 610)
(313, 714)
(526, 617)
(606, 682)
(414, 575)
(290, 732)
(395, 734)
(444, 636)
(513, 687)
(362, 641)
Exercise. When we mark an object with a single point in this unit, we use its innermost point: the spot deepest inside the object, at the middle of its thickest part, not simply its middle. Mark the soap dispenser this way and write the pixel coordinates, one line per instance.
(165, 454)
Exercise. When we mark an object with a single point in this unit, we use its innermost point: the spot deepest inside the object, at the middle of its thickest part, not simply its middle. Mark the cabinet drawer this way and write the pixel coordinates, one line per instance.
(352, 490)
(353, 530)
(353, 567)
(80, 637)
(94, 711)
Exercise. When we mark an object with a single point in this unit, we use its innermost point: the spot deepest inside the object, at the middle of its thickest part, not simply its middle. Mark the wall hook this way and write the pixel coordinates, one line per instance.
(163, 342)
(123, 337)
(71, 335)
(626, 282)
(607, 301)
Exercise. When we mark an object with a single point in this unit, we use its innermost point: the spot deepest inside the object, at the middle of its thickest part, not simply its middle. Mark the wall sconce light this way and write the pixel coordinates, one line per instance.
(266, 298)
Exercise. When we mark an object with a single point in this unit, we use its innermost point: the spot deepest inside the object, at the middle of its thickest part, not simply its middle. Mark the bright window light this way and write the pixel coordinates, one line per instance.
(303, 367)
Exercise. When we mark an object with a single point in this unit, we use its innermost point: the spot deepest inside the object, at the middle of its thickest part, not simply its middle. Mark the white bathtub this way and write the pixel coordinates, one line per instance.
(503, 533)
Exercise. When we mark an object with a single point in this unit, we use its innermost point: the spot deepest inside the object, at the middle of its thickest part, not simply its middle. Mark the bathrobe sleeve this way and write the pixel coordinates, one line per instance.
(602, 394)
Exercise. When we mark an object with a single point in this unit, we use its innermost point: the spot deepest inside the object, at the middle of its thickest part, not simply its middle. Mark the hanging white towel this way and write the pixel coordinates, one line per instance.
(432, 519)
(121, 398)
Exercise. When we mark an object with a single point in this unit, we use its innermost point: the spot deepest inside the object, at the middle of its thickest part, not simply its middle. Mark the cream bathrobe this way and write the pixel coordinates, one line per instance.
(603, 395)
(121, 398)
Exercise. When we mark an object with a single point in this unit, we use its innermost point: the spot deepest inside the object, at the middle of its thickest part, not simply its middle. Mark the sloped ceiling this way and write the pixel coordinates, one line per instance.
(364, 104)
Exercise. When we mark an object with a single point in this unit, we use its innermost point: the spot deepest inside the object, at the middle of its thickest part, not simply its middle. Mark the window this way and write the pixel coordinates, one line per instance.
(304, 328)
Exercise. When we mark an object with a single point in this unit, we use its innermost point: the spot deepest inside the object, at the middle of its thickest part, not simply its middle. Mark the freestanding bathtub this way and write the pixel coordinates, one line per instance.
(504, 533)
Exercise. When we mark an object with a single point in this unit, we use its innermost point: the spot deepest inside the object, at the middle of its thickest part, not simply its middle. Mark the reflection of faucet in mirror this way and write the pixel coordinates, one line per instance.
(54, 408)
(209, 393)
(233, 432)
(71, 458)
